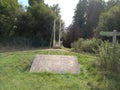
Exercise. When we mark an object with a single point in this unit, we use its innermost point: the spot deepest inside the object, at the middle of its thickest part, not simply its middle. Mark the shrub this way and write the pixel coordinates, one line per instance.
(89, 45)
(109, 58)
(108, 62)
(16, 42)
(22, 43)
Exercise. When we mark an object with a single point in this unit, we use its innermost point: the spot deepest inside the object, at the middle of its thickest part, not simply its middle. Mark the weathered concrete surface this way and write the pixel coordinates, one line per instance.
(55, 64)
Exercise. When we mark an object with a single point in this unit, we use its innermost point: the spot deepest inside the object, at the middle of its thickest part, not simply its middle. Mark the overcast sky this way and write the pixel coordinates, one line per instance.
(67, 8)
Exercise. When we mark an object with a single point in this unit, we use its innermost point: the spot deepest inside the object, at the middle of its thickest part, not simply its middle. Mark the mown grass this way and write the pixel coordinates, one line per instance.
(15, 75)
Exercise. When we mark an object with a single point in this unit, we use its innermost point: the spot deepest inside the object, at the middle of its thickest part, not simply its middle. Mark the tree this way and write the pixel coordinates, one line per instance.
(109, 20)
(72, 34)
(25, 25)
(8, 13)
(33, 2)
(56, 9)
(112, 3)
(37, 22)
(86, 18)
(95, 8)
(80, 12)
(79, 19)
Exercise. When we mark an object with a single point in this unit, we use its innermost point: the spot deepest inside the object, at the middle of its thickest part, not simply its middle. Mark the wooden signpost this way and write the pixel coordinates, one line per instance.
(113, 34)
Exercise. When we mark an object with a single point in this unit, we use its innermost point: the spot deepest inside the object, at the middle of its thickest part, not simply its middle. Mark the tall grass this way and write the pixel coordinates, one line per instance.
(109, 58)
(108, 61)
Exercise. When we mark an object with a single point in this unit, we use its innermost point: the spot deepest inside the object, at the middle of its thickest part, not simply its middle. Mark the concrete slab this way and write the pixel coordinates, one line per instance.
(55, 64)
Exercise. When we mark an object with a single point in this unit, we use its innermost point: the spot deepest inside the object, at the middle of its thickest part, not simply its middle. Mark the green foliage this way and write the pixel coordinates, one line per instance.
(109, 20)
(108, 62)
(34, 22)
(14, 43)
(8, 7)
(79, 17)
(72, 35)
(43, 18)
(8, 13)
(112, 3)
(108, 59)
(81, 7)
(85, 20)
(87, 16)
(33, 2)
(14, 73)
(89, 45)
(37, 23)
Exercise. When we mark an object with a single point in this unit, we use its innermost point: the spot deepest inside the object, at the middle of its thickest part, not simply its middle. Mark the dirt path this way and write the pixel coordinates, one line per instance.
(57, 49)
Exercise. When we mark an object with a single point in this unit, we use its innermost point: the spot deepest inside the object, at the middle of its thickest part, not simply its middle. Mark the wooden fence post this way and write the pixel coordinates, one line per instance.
(114, 38)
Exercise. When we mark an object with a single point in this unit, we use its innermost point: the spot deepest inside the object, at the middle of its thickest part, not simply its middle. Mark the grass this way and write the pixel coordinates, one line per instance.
(15, 75)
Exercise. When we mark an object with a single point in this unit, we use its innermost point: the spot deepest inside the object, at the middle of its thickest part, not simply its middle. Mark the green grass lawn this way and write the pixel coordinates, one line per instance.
(15, 75)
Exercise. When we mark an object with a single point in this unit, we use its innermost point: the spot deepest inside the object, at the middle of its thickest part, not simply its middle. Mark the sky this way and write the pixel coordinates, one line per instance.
(67, 8)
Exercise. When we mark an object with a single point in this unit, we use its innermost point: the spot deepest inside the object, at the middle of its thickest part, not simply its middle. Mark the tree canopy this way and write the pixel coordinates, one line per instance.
(8, 13)
(109, 20)
(86, 18)
(93, 16)
(35, 23)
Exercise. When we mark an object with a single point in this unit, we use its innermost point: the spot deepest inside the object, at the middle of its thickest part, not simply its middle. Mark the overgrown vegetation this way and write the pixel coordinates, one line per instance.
(86, 45)
(108, 61)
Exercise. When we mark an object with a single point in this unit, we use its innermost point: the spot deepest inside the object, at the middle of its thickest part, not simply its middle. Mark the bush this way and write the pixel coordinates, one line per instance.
(109, 58)
(108, 62)
(89, 45)
(21, 43)
(16, 42)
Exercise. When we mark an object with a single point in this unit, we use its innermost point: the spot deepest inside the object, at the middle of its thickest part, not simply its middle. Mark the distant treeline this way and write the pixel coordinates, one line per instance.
(30, 25)
(91, 17)
(33, 25)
